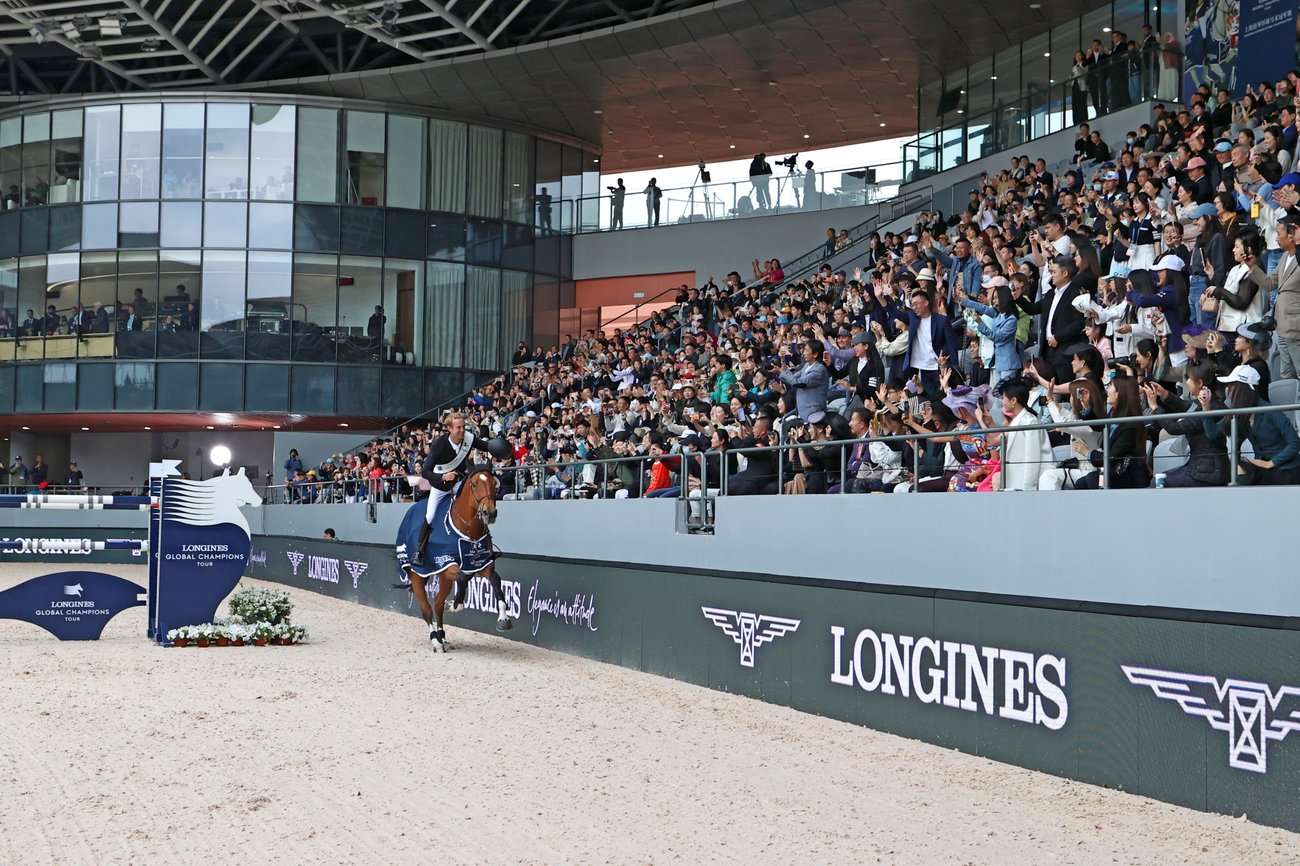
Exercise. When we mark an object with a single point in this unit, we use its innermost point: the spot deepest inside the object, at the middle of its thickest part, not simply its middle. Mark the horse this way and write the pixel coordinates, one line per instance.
(459, 548)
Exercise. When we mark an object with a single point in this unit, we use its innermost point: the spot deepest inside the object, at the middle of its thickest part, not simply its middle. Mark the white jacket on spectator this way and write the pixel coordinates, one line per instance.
(1027, 454)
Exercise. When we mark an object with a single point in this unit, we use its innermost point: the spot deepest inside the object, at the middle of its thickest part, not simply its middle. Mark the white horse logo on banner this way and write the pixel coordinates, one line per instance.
(211, 502)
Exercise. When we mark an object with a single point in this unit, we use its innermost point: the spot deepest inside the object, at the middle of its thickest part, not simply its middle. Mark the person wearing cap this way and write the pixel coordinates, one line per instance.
(1207, 461)
(1170, 298)
(1273, 436)
(1198, 174)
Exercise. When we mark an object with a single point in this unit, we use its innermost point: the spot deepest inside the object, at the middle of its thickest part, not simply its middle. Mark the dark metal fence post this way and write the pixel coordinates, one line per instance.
(780, 460)
(1234, 448)
(844, 471)
(1105, 456)
(916, 466)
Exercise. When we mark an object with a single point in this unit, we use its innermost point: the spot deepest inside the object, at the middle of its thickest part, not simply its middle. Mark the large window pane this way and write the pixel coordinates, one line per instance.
(141, 150)
(66, 149)
(318, 158)
(9, 313)
(32, 308)
(180, 291)
(138, 225)
(566, 206)
(547, 185)
(362, 318)
(36, 160)
(405, 160)
(442, 327)
(222, 310)
(363, 181)
(182, 175)
(137, 303)
(226, 152)
(272, 166)
(482, 318)
(11, 162)
(316, 228)
(518, 180)
(62, 290)
(99, 302)
(484, 172)
(133, 386)
(270, 226)
(99, 226)
(103, 131)
(447, 143)
(515, 287)
(404, 304)
(182, 224)
(225, 224)
(315, 307)
(447, 236)
(267, 316)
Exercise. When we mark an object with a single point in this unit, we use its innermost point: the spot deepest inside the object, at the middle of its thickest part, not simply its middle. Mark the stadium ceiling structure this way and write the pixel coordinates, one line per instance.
(50, 47)
(647, 82)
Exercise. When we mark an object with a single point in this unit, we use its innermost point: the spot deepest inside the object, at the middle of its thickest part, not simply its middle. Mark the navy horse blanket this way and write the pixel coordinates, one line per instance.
(447, 546)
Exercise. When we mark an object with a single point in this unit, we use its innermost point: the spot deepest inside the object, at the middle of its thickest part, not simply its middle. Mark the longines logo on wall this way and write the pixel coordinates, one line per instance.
(1250, 713)
(356, 569)
(750, 630)
(958, 675)
(295, 559)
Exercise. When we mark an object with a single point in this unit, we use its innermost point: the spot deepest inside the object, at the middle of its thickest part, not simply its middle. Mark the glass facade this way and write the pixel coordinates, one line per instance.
(1031, 90)
(322, 258)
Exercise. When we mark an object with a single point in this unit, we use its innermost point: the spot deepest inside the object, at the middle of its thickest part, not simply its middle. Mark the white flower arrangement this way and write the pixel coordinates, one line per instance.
(237, 632)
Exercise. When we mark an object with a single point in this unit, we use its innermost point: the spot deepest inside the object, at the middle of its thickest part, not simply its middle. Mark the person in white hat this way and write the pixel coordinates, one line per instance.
(1276, 444)
(1166, 309)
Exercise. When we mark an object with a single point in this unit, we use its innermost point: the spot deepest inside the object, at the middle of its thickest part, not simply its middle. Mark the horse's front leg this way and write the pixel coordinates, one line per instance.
(503, 618)
(437, 634)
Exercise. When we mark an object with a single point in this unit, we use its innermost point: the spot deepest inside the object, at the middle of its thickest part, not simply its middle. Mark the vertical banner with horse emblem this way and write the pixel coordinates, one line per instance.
(200, 547)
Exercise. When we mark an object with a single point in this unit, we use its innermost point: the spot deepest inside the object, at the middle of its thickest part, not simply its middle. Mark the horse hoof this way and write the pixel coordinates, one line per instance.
(504, 625)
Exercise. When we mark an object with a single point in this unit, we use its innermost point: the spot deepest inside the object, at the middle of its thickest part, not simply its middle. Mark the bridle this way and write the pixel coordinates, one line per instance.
(481, 512)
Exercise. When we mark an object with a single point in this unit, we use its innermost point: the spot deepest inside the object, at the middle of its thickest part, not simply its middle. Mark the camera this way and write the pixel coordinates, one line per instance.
(789, 162)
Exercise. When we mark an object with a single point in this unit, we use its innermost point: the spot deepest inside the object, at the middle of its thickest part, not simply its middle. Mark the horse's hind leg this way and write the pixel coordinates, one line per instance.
(421, 595)
(503, 618)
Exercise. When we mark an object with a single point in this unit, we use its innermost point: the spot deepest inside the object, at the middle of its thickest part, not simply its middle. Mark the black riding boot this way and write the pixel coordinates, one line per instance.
(418, 557)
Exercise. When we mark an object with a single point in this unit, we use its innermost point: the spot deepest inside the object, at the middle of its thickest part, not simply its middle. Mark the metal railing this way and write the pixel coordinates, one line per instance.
(591, 477)
(95, 489)
(1042, 111)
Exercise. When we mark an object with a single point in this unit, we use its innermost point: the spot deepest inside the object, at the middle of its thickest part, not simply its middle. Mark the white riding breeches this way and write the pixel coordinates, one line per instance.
(431, 505)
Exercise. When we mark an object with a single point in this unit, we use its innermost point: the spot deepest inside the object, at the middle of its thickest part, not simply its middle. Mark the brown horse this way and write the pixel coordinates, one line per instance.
(472, 511)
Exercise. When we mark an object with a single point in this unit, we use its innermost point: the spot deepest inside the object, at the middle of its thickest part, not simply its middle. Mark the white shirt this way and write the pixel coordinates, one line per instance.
(1057, 294)
(1062, 246)
(923, 357)
(1230, 318)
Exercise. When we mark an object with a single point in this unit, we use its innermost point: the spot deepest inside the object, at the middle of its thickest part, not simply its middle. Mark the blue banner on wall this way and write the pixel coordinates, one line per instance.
(1266, 42)
(201, 543)
(71, 605)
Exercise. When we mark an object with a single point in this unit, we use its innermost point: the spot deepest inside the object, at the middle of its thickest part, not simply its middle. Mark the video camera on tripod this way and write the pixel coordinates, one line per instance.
(790, 162)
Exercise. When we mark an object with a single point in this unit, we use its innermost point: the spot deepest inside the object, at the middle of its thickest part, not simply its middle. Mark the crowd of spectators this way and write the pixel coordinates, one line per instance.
(1151, 276)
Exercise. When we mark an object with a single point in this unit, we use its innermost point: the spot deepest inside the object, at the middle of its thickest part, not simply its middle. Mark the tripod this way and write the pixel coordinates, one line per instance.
(701, 176)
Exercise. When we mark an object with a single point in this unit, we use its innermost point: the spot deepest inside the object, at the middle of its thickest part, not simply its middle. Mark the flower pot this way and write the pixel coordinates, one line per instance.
(284, 641)
(202, 642)
(180, 641)
(259, 641)
(239, 641)
(223, 641)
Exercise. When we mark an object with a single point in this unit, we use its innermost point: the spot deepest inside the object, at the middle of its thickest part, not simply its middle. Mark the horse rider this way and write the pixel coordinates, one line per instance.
(444, 467)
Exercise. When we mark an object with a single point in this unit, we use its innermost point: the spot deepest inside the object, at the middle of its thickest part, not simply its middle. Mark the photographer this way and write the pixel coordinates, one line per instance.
(760, 174)
(811, 380)
(616, 196)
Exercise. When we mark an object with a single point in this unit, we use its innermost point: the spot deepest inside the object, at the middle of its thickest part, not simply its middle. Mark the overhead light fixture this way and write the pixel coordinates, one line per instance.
(91, 51)
(961, 91)
(882, 123)
(993, 78)
(210, 427)
(597, 111)
(661, 156)
(70, 30)
(1035, 5)
(1105, 30)
(275, 426)
(884, 60)
(1047, 54)
(110, 26)
(732, 146)
(806, 135)
(37, 32)
(87, 429)
(25, 427)
(148, 428)
(150, 45)
(220, 455)
(961, 111)
(343, 423)
(596, 161)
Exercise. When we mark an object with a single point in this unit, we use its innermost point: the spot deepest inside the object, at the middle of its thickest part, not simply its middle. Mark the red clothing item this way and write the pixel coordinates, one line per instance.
(660, 477)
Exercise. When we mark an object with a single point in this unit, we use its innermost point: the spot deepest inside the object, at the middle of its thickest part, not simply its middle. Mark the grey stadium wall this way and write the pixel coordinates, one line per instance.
(1170, 703)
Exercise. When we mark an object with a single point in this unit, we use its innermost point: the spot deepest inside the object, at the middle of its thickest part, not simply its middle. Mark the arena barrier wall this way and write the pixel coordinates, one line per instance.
(71, 546)
(1158, 702)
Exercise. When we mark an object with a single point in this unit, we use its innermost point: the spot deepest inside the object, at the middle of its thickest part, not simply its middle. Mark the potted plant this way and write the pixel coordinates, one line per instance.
(179, 637)
(202, 635)
(222, 634)
(263, 632)
(238, 633)
(284, 634)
